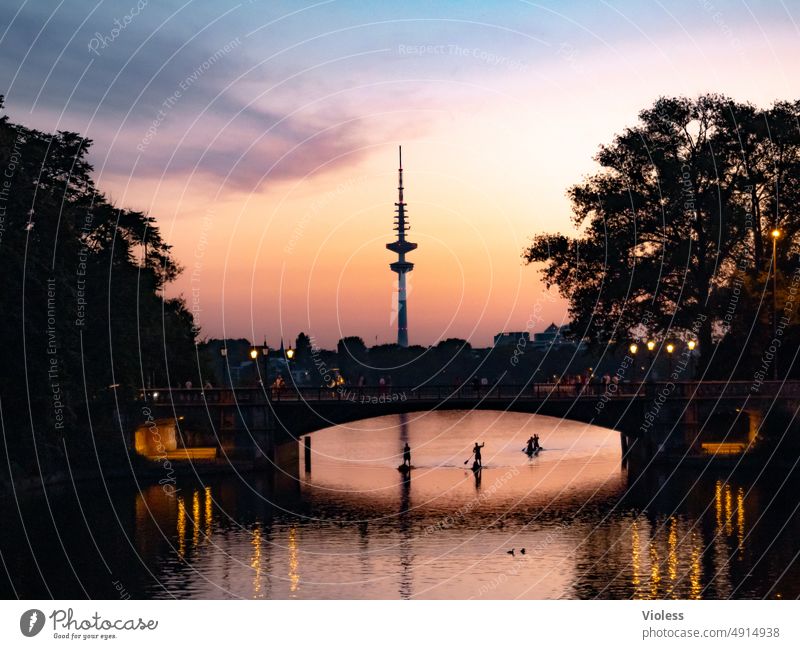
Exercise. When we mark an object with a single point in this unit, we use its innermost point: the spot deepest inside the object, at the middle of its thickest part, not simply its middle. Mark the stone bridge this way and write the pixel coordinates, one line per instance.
(669, 418)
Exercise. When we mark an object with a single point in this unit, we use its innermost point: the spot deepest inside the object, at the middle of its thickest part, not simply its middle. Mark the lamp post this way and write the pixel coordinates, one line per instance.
(691, 345)
(776, 233)
(254, 357)
(264, 355)
(633, 348)
(289, 357)
(651, 345)
(254, 352)
(670, 349)
(223, 375)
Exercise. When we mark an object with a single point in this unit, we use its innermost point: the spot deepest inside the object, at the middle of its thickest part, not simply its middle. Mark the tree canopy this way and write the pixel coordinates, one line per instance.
(676, 223)
(85, 322)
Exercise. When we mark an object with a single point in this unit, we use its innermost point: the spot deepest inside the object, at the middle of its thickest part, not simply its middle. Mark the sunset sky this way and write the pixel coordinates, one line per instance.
(271, 156)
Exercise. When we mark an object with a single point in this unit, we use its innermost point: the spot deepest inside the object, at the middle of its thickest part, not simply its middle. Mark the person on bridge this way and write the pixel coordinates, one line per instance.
(407, 455)
(477, 452)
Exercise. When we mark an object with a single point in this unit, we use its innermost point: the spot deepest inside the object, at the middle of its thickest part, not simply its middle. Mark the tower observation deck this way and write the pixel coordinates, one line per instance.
(401, 246)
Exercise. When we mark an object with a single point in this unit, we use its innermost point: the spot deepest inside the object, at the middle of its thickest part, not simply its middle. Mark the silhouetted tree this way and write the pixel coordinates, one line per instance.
(302, 350)
(453, 345)
(675, 217)
(85, 324)
(352, 353)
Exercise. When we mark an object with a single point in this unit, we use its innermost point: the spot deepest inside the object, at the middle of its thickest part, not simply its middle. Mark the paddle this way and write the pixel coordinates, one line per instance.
(469, 458)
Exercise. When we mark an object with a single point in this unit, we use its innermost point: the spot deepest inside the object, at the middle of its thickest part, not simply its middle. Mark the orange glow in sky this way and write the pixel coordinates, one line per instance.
(272, 170)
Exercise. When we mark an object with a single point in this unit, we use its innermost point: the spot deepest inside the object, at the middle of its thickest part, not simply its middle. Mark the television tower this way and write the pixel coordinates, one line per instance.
(401, 266)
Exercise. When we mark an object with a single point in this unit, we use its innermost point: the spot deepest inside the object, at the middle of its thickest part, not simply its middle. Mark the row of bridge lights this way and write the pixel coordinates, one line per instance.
(254, 351)
(265, 352)
(670, 347)
(253, 355)
(651, 345)
(692, 344)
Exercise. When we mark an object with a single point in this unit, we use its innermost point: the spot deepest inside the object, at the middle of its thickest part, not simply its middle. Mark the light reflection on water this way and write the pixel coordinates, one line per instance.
(354, 528)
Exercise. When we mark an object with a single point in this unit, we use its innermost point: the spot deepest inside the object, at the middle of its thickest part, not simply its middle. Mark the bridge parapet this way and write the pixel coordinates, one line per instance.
(733, 389)
(684, 390)
(377, 394)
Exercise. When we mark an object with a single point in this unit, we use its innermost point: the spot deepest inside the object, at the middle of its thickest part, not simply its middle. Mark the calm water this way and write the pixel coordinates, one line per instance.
(354, 528)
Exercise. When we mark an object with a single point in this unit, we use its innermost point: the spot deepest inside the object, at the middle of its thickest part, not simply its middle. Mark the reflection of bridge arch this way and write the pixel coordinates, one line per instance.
(666, 416)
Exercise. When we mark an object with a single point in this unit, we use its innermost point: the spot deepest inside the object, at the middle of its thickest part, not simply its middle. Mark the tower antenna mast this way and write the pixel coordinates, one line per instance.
(401, 246)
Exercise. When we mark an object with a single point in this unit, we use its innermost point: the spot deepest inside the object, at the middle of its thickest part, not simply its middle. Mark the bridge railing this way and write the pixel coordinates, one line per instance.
(385, 394)
(472, 393)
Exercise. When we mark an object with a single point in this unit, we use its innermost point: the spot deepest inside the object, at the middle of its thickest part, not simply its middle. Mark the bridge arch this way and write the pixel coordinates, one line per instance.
(296, 422)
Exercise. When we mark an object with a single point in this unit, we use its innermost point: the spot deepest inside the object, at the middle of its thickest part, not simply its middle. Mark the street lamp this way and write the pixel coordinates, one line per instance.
(290, 353)
(254, 357)
(633, 348)
(264, 355)
(691, 345)
(670, 349)
(223, 374)
(776, 233)
(651, 345)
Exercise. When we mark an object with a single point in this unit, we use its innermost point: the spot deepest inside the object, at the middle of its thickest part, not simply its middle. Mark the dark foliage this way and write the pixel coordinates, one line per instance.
(674, 229)
(85, 325)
